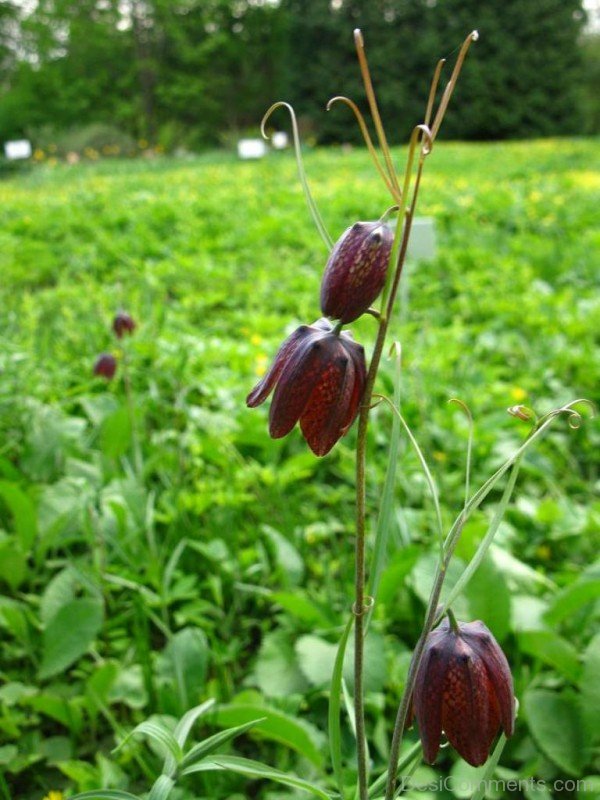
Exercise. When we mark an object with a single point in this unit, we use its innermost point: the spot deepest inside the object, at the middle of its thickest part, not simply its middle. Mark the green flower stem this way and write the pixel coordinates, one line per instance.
(361, 450)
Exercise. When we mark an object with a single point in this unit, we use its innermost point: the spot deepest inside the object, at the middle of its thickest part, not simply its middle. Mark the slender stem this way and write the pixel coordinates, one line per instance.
(361, 449)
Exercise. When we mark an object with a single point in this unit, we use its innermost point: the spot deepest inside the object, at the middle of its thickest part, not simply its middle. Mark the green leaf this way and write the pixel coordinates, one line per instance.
(483, 774)
(158, 733)
(557, 727)
(552, 649)
(254, 769)
(186, 660)
(299, 735)
(571, 599)
(335, 697)
(58, 593)
(316, 658)
(115, 436)
(184, 726)
(208, 746)
(69, 634)
(590, 689)
(276, 670)
(13, 563)
(489, 598)
(302, 607)
(287, 557)
(23, 511)
(161, 788)
(105, 794)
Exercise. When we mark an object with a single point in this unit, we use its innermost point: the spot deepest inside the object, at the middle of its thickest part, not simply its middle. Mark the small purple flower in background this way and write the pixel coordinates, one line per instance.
(105, 366)
(320, 378)
(355, 272)
(123, 323)
(463, 687)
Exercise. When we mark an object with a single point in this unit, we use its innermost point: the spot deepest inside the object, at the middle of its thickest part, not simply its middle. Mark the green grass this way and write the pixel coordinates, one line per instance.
(221, 565)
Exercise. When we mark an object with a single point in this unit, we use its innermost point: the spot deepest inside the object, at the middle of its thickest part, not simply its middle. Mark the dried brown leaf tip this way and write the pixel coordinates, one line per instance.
(356, 270)
(464, 688)
(320, 378)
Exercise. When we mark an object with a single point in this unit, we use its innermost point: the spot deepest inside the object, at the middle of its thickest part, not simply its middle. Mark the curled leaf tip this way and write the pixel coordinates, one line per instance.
(358, 37)
(522, 412)
(463, 406)
(474, 35)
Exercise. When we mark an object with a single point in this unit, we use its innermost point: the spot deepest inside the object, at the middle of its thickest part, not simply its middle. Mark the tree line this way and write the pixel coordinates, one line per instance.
(187, 72)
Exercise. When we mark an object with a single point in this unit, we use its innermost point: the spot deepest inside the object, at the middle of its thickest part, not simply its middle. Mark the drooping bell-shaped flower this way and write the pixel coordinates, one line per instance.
(320, 378)
(355, 272)
(123, 323)
(105, 366)
(464, 688)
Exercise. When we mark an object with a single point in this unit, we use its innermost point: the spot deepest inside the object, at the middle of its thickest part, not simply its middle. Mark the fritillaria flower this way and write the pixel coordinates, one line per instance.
(105, 366)
(319, 377)
(123, 323)
(355, 272)
(464, 688)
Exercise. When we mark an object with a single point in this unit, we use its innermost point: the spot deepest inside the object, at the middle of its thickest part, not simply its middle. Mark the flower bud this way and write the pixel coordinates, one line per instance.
(105, 366)
(356, 270)
(464, 687)
(123, 323)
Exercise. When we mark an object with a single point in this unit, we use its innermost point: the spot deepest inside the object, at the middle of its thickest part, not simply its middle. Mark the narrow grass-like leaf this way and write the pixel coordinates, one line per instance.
(254, 769)
(403, 763)
(490, 766)
(182, 731)
(105, 794)
(335, 694)
(161, 788)
(384, 520)
(485, 543)
(424, 466)
(208, 746)
(159, 734)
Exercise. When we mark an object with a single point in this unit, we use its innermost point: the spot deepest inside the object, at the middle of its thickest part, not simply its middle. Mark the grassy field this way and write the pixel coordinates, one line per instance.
(157, 549)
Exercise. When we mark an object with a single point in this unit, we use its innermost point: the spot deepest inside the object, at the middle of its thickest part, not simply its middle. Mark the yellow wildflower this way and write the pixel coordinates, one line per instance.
(518, 394)
(53, 795)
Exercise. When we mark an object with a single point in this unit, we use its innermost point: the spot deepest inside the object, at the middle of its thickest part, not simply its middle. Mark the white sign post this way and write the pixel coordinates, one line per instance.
(17, 149)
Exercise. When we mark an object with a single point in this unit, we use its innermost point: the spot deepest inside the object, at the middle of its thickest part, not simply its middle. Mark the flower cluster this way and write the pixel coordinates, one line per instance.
(105, 365)
(320, 372)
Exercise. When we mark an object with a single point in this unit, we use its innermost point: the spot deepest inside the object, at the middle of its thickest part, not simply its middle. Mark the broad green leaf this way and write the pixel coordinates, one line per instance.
(158, 733)
(254, 769)
(335, 695)
(297, 734)
(13, 563)
(571, 599)
(276, 671)
(186, 660)
(208, 746)
(589, 686)
(557, 727)
(23, 512)
(302, 607)
(115, 436)
(58, 593)
(316, 658)
(489, 598)
(287, 557)
(374, 665)
(552, 649)
(69, 634)
(397, 570)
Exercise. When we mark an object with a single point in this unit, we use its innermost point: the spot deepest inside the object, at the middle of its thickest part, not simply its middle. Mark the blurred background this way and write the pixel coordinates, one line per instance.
(157, 548)
(191, 75)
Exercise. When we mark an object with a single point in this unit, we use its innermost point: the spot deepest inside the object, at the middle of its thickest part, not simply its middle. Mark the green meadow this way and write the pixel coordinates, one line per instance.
(158, 549)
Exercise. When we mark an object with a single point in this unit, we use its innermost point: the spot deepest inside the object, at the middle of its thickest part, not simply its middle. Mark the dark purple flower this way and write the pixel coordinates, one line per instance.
(123, 323)
(106, 366)
(320, 378)
(356, 270)
(463, 687)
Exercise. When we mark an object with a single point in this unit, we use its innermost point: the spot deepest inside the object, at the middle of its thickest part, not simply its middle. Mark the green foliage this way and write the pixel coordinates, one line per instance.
(185, 75)
(221, 565)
